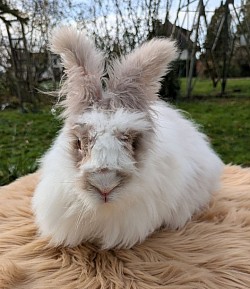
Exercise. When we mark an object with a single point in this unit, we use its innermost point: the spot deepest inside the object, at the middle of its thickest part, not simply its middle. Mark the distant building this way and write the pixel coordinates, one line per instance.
(41, 65)
(54, 70)
(181, 35)
(241, 56)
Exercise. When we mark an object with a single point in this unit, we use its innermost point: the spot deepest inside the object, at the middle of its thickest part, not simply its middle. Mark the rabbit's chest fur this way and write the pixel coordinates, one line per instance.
(177, 178)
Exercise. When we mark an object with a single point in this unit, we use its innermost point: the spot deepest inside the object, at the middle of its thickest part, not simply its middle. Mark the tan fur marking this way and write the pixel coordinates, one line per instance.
(81, 133)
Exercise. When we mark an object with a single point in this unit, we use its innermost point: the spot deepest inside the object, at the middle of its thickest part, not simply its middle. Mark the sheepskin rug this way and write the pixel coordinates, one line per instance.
(211, 251)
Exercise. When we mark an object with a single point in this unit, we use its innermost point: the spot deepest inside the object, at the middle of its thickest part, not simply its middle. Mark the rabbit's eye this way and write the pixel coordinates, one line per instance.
(79, 145)
(135, 143)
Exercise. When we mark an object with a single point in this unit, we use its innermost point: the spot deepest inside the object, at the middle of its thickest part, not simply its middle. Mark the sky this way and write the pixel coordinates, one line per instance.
(186, 15)
(186, 19)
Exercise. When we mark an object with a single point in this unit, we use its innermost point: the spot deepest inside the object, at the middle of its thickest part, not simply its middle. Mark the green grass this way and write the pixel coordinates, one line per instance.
(236, 87)
(25, 137)
(227, 123)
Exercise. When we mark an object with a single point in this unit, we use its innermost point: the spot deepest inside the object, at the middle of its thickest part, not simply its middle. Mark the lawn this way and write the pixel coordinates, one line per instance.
(227, 123)
(25, 137)
(236, 87)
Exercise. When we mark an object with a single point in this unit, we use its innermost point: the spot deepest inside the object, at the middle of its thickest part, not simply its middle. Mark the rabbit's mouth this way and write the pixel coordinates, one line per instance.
(105, 195)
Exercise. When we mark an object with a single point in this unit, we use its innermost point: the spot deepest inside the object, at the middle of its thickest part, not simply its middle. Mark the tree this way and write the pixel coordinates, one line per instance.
(25, 37)
(119, 26)
(9, 15)
(219, 44)
(244, 25)
(241, 56)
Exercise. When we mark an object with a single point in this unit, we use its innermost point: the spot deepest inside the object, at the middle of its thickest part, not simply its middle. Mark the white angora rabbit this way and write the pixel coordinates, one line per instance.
(124, 163)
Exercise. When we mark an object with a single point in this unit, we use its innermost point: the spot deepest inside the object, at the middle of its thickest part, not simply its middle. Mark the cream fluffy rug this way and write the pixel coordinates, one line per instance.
(212, 251)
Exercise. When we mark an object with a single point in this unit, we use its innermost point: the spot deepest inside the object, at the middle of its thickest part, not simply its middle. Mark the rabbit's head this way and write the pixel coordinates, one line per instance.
(108, 119)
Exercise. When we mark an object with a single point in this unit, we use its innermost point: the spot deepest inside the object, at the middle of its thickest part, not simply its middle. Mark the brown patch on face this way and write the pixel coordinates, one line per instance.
(129, 140)
(123, 178)
(136, 143)
(82, 142)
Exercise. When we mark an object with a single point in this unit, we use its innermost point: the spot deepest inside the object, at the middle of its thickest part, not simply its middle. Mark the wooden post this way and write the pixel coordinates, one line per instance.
(200, 10)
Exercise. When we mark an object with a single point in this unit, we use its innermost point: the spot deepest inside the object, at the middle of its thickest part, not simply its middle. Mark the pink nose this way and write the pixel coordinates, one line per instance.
(104, 181)
(104, 194)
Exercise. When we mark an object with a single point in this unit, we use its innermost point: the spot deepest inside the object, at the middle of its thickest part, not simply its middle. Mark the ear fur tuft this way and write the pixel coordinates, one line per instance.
(84, 66)
(76, 49)
(135, 78)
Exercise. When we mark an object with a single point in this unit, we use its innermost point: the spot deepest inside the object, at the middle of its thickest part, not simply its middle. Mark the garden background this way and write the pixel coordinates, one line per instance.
(210, 80)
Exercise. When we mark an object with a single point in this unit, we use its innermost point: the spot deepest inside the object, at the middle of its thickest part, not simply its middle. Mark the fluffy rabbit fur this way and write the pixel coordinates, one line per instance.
(124, 163)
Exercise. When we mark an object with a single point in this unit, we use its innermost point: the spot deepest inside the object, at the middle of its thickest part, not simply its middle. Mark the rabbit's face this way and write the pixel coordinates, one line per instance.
(107, 149)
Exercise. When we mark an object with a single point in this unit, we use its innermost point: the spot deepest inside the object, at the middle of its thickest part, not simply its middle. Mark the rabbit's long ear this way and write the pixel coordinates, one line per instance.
(84, 66)
(135, 79)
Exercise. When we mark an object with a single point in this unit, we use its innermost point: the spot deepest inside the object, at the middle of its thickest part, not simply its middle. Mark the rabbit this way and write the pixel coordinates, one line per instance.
(125, 163)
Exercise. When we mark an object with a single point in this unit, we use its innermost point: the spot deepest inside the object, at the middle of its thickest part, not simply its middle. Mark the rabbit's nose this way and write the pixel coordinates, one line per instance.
(104, 193)
(104, 181)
